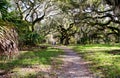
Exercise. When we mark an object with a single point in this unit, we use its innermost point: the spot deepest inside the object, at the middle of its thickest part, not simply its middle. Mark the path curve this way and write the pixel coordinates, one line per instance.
(74, 66)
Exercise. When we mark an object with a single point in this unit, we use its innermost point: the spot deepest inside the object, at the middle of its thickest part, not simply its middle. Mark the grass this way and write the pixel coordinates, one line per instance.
(27, 61)
(104, 59)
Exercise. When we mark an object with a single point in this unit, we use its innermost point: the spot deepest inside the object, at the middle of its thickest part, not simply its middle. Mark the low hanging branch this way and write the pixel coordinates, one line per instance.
(115, 4)
(8, 41)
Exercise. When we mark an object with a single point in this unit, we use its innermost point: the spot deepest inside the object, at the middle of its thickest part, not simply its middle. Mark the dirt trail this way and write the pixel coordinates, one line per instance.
(74, 66)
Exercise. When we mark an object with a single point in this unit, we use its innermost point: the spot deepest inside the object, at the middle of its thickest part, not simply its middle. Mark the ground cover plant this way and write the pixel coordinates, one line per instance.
(104, 59)
(29, 63)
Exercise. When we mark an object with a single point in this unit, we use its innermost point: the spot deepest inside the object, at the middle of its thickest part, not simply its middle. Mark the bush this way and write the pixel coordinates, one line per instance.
(32, 38)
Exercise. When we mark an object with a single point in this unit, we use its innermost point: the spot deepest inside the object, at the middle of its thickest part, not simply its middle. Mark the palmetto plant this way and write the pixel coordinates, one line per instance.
(8, 40)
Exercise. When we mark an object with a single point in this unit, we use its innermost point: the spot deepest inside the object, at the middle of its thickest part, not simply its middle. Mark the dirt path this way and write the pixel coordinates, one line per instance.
(74, 66)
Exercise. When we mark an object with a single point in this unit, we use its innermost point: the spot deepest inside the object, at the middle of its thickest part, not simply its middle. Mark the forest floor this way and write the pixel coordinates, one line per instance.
(36, 63)
(77, 61)
(56, 62)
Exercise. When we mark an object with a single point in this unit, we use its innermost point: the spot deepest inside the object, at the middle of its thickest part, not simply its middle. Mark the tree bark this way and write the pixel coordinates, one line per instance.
(61, 40)
(67, 41)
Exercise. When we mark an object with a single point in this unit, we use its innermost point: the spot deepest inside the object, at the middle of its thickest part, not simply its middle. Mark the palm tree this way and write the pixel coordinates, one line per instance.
(8, 40)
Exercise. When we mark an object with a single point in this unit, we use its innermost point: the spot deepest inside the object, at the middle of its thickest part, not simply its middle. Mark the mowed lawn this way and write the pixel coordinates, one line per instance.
(31, 63)
(104, 60)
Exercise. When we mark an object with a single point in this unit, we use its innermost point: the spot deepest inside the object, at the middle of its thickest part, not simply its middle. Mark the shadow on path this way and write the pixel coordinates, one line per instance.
(74, 66)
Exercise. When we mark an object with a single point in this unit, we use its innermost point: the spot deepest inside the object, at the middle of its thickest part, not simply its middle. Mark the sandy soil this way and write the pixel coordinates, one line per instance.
(74, 66)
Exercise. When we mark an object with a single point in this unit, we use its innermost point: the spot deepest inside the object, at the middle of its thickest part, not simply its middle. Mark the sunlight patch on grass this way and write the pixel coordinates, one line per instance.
(31, 62)
(104, 58)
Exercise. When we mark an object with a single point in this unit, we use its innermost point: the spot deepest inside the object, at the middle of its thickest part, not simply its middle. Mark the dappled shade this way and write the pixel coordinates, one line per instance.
(38, 61)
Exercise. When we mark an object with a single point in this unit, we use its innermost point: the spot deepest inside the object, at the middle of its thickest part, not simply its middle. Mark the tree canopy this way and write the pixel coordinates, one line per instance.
(67, 18)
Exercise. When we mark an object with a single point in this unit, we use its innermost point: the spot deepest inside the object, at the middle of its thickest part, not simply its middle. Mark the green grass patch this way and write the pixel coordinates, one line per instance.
(104, 59)
(28, 60)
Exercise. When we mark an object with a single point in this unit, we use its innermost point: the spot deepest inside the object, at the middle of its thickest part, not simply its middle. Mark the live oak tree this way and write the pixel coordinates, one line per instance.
(34, 11)
(97, 13)
(66, 28)
(115, 4)
(88, 17)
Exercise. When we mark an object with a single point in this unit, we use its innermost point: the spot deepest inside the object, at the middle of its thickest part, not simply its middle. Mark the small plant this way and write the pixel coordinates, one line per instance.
(32, 38)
